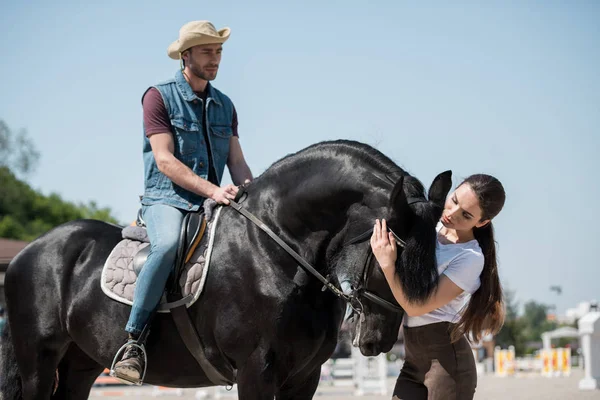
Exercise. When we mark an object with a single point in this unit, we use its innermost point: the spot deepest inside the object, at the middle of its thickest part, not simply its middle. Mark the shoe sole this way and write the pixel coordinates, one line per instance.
(128, 372)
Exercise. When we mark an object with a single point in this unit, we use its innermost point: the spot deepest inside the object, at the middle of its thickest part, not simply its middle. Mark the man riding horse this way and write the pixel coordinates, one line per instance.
(190, 134)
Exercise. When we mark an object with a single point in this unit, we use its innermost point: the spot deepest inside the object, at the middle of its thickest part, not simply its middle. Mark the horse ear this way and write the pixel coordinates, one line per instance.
(398, 192)
(440, 187)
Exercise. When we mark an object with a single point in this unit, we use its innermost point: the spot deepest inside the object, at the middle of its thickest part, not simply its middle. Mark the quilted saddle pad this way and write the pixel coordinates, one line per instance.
(119, 275)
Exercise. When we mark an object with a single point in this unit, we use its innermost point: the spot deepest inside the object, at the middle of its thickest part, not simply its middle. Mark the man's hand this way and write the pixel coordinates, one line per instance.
(222, 195)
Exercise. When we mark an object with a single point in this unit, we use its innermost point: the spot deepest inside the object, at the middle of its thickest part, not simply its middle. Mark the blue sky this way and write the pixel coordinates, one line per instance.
(507, 88)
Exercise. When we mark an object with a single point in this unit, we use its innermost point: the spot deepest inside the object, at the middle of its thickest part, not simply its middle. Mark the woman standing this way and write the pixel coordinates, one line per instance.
(468, 298)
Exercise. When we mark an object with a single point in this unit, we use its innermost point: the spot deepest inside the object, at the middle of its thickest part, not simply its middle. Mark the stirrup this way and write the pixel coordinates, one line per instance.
(125, 379)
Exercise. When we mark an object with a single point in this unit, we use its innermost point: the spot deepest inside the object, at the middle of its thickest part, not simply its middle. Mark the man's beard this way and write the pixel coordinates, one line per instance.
(207, 76)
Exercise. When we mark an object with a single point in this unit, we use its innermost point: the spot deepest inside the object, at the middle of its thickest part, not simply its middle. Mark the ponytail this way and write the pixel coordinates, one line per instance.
(485, 310)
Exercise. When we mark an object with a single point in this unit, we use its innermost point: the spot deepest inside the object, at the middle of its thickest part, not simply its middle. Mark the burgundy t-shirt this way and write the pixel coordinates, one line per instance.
(156, 118)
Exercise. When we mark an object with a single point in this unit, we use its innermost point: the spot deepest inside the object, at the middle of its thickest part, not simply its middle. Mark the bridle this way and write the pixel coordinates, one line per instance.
(354, 297)
(361, 289)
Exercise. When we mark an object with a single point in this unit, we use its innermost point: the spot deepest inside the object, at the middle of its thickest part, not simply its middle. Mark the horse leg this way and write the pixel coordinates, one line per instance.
(39, 345)
(301, 390)
(76, 375)
(256, 378)
(37, 365)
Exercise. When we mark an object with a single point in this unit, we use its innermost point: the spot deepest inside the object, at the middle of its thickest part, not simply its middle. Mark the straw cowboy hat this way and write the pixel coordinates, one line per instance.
(195, 33)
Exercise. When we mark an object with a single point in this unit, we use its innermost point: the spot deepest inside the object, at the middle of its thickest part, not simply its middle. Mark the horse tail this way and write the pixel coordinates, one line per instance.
(10, 380)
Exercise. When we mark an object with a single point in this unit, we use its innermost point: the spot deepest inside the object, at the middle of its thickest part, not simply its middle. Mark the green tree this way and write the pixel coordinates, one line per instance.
(535, 318)
(25, 213)
(512, 332)
(521, 330)
(17, 151)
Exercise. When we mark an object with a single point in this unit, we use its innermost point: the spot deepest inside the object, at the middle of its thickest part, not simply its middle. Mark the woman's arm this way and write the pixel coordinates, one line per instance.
(445, 292)
(384, 249)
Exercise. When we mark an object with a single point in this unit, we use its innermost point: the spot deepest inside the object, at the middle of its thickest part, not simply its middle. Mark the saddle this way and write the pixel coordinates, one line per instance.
(188, 275)
(192, 232)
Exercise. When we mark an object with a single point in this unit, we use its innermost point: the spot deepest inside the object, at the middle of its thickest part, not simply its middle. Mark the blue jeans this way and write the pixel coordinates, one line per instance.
(163, 224)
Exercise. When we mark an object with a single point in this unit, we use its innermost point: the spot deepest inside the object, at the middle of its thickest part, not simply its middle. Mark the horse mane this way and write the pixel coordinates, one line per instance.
(418, 270)
(361, 153)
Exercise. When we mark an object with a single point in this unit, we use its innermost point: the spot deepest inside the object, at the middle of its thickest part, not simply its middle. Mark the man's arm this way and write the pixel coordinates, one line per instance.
(163, 149)
(238, 168)
(157, 128)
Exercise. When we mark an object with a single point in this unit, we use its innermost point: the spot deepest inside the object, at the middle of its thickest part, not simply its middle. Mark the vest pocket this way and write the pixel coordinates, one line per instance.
(187, 134)
(222, 131)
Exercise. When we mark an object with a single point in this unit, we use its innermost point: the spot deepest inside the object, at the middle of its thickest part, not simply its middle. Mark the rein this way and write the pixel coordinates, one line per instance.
(353, 298)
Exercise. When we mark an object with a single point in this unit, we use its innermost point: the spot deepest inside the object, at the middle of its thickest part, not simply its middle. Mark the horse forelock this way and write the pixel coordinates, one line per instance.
(417, 266)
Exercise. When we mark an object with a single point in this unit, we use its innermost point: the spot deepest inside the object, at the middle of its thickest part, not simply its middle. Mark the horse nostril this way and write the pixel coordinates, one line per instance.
(369, 349)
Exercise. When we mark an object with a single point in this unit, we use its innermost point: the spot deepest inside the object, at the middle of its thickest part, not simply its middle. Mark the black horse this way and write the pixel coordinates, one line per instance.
(260, 311)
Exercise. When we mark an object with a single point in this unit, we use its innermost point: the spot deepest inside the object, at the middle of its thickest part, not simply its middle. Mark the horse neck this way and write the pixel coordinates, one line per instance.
(317, 204)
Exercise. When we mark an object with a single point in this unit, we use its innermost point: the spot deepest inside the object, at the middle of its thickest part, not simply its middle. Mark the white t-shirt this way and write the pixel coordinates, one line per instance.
(462, 263)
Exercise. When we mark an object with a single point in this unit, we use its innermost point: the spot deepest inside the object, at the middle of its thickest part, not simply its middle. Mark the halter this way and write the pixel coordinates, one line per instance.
(361, 290)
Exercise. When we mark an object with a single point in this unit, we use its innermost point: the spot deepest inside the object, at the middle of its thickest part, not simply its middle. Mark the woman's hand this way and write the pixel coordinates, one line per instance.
(383, 244)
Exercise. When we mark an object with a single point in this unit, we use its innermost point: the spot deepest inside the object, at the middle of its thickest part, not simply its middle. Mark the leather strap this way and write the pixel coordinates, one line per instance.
(190, 337)
(181, 302)
(326, 284)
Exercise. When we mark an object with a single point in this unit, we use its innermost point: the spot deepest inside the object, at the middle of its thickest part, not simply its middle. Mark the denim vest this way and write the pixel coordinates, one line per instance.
(185, 112)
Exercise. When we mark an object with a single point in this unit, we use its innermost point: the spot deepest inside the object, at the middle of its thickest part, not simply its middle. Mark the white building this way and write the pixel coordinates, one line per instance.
(573, 314)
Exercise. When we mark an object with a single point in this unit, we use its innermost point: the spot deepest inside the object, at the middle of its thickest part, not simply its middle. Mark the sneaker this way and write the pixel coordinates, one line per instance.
(131, 366)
